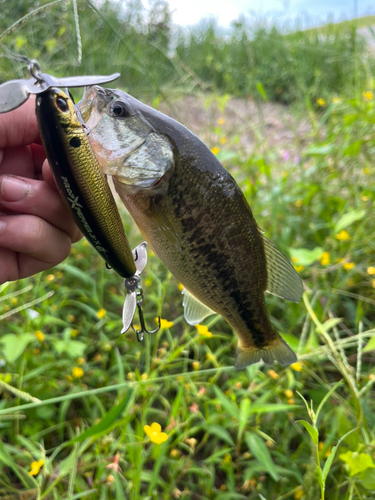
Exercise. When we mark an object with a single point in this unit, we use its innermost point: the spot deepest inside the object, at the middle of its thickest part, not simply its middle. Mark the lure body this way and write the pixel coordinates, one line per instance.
(80, 180)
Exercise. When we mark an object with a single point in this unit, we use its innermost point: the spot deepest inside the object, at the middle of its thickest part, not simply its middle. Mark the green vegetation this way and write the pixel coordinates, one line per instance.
(231, 435)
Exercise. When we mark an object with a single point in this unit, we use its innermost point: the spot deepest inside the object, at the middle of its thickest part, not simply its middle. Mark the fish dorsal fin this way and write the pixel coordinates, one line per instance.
(282, 279)
(194, 310)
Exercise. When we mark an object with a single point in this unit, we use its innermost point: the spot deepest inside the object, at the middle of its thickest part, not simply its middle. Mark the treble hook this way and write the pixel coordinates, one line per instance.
(140, 333)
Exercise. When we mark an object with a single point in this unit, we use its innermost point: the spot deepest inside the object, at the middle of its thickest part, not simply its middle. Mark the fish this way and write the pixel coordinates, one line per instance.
(80, 180)
(195, 218)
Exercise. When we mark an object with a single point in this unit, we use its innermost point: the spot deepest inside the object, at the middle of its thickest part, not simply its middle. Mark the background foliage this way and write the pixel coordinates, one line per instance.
(231, 435)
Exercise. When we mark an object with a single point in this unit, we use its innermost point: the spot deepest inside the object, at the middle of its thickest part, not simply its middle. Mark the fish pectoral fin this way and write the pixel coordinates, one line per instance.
(278, 351)
(194, 310)
(282, 279)
(166, 227)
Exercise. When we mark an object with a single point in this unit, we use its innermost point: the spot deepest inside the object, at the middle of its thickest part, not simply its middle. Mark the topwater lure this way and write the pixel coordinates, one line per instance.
(81, 183)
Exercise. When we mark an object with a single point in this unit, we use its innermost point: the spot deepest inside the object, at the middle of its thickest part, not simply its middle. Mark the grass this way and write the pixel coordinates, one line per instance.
(77, 395)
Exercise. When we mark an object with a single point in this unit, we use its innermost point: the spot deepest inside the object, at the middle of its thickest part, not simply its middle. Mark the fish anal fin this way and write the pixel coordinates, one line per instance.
(279, 351)
(282, 279)
(194, 311)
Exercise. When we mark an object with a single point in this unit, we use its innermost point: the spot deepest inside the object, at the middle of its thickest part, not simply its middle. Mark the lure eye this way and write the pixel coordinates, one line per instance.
(120, 109)
(62, 104)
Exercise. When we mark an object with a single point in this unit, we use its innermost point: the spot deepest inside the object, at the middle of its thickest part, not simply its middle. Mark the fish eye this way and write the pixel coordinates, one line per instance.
(62, 104)
(119, 109)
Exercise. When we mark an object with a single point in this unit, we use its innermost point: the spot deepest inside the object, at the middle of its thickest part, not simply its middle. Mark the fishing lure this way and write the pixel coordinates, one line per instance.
(78, 176)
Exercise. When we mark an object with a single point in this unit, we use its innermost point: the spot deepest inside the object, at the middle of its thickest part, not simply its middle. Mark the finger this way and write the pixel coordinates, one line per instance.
(18, 161)
(19, 127)
(48, 176)
(29, 245)
(33, 197)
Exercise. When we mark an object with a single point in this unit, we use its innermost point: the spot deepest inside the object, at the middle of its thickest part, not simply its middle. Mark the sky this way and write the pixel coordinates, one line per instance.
(317, 11)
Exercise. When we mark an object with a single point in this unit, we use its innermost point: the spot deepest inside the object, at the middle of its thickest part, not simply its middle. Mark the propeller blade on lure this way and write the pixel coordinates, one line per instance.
(77, 173)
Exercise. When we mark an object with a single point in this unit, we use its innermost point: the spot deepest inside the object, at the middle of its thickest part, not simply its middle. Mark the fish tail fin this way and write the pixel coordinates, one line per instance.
(278, 351)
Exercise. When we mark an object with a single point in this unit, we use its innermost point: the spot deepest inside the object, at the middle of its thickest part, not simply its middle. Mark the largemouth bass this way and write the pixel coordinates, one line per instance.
(195, 218)
(80, 180)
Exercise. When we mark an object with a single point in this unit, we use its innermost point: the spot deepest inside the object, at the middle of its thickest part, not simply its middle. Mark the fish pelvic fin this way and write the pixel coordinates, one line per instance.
(278, 351)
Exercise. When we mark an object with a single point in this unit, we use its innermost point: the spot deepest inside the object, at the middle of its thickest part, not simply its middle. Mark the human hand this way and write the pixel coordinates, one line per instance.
(36, 229)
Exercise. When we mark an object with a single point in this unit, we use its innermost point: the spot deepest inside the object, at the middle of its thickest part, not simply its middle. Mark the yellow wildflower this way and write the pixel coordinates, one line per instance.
(69, 378)
(130, 376)
(203, 330)
(373, 283)
(155, 434)
(299, 493)
(85, 243)
(74, 333)
(174, 453)
(14, 301)
(164, 323)
(223, 487)
(371, 270)
(223, 140)
(59, 274)
(297, 367)
(148, 282)
(335, 100)
(144, 376)
(221, 121)
(227, 459)
(368, 95)
(101, 313)
(71, 318)
(110, 478)
(349, 265)
(291, 401)
(215, 150)
(364, 198)
(77, 372)
(325, 259)
(366, 170)
(238, 385)
(342, 235)
(273, 374)
(50, 277)
(299, 269)
(35, 467)
(180, 287)
(39, 335)
(81, 361)
(294, 259)
(288, 393)
(321, 101)
(298, 203)
(195, 365)
(211, 357)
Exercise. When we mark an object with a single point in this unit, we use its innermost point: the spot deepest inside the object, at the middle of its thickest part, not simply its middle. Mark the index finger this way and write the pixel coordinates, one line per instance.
(19, 127)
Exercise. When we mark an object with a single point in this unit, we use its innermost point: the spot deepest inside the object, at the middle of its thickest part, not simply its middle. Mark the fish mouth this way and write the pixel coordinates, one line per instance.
(94, 100)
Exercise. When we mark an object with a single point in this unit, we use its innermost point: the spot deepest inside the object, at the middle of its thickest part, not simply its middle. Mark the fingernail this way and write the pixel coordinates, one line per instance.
(14, 189)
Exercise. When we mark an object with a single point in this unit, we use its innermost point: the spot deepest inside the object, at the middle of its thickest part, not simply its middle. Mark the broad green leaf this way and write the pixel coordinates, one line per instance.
(367, 479)
(14, 345)
(305, 257)
(357, 462)
(353, 149)
(244, 415)
(260, 451)
(348, 219)
(328, 463)
(74, 348)
(370, 346)
(105, 422)
(331, 323)
(221, 433)
(226, 403)
(319, 477)
(311, 430)
(77, 273)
